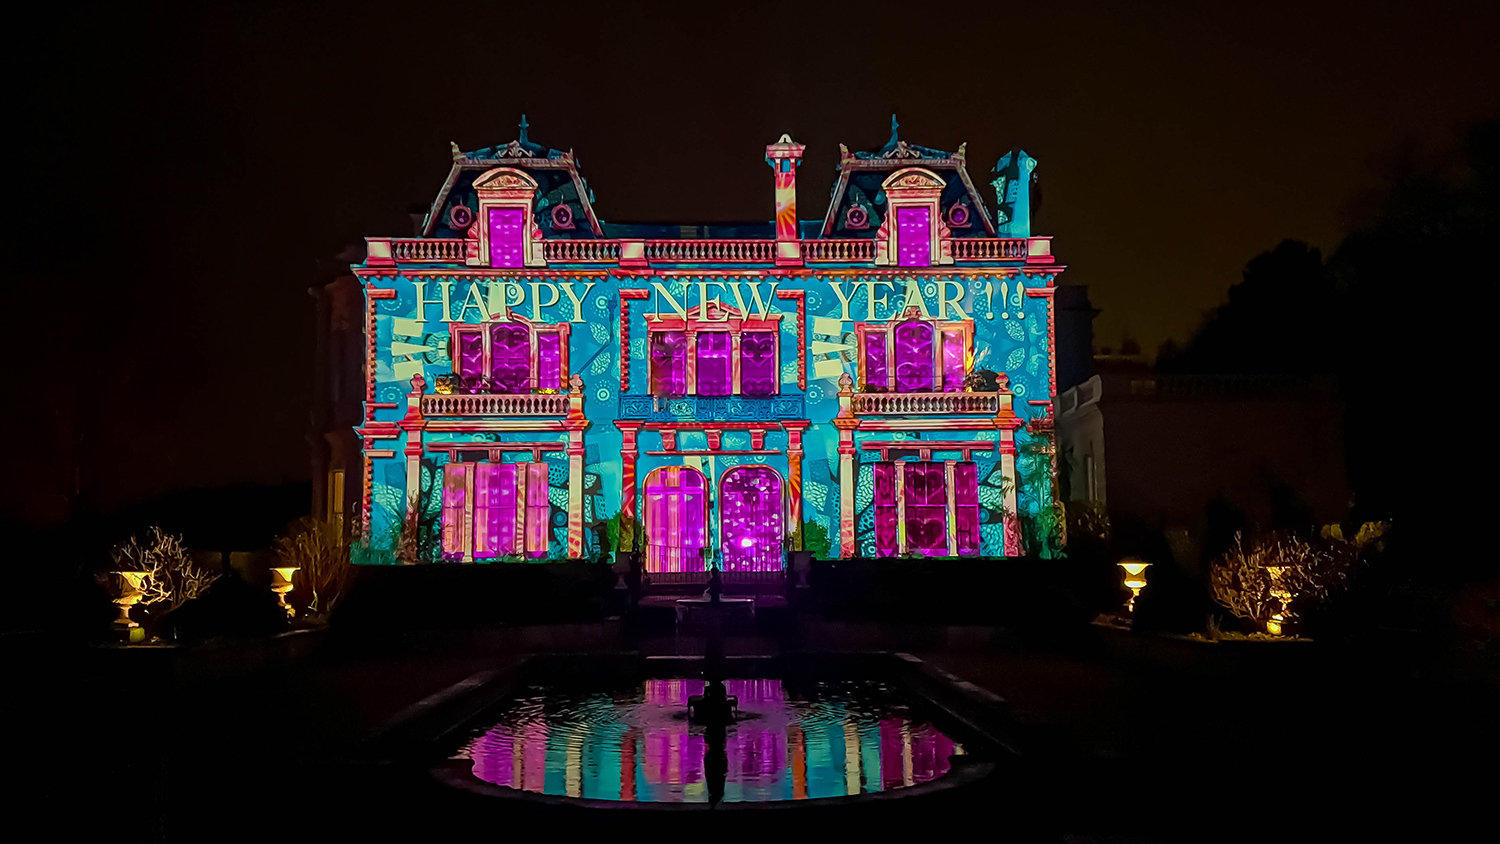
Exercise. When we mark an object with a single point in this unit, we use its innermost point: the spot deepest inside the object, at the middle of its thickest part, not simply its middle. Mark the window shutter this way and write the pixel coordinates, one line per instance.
(456, 510)
(538, 510)
(886, 541)
(877, 377)
(966, 507)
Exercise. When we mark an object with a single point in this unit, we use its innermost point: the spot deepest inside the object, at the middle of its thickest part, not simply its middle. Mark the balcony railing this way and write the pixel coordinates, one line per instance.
(433, 250)
(989, 249)
(711, 251)
(712, 408)
(581, 251)
(496, 404)
(840, 251)
(700, 251)
(902, 404)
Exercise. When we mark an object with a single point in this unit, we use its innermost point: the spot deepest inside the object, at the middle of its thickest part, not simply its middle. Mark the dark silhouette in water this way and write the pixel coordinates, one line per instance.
(715, 709)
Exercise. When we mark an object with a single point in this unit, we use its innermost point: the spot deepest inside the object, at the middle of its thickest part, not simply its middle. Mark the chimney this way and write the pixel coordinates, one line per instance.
(784, 156)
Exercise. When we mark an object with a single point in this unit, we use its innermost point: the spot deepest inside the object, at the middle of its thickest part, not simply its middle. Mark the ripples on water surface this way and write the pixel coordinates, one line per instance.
(829, 740)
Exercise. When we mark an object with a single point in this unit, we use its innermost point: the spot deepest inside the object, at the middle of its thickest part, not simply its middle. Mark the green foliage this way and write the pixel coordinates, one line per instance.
(619, 533)
(812, 537)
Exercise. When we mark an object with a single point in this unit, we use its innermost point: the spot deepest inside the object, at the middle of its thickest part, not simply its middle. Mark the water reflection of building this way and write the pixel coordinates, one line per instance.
(595, 754)
(532, 370)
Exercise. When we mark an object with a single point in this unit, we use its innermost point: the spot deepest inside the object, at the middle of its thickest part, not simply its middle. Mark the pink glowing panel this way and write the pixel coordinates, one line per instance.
(455, 505)
(510, 358)
(876, 374)
(668, 363)
(676, 517)
(758, 368)
(538, 510)
(507, 237)
(469, 359)
(494, 510)
(549, 360)
(914, 357)
(926, 490)
(886, 540)
(955, 359)
(714, 375)
(750, 519)
(966, 507)
(914, 237)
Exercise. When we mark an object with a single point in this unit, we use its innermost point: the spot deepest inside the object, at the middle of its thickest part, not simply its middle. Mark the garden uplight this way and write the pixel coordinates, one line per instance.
(1135, 579)
(127, 589)
(281, 583)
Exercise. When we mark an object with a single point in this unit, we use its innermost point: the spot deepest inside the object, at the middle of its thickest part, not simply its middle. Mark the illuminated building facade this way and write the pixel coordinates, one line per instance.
(886, 372)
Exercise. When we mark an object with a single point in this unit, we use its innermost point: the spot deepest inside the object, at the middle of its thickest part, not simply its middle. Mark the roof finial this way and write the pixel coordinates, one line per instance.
(524, 124)
(894, 124)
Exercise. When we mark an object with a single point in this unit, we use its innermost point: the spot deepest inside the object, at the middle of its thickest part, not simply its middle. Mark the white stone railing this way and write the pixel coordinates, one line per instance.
(989, 249)
(496, 404)
(901, 404)
(707, 251)
(435, 250)
(581, 251)
(841, 251)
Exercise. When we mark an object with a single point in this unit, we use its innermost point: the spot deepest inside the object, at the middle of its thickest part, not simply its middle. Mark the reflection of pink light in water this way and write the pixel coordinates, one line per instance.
(661, 759)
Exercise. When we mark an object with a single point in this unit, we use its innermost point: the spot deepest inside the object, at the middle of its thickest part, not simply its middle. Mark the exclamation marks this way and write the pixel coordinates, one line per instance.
(1004, 299)
(1016, 301)
(989, 300)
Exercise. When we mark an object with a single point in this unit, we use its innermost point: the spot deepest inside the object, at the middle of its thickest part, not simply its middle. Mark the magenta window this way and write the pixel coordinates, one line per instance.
(966, 507)
(455, 508)
(676, 519)
(914, 237)
(926, 489)
(877, 377)
(750, 519)
(538, 508)
(714, 375)
(507, 237)
(494, 510)
(954, 364)
(510, 358)
(468, 356)
(914, 357)
(758, 364)
(549, 360)
(668, 363)
(887, 539)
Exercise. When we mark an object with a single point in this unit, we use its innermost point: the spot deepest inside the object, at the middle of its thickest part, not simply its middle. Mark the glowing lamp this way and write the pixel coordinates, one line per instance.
(1135, 579)
(1276, 624)
(127, 593)
(281, 583)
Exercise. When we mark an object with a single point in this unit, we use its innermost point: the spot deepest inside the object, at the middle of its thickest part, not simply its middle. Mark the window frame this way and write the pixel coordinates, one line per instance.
(884, 333)
(718, 318)
(950, 507)
(534, 331)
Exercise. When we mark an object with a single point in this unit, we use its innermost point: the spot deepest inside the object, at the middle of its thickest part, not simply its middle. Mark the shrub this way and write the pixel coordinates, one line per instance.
(172, 578)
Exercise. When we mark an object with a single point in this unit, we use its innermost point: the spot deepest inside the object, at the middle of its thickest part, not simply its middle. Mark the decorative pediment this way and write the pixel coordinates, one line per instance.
(913, 178)
(504, 179)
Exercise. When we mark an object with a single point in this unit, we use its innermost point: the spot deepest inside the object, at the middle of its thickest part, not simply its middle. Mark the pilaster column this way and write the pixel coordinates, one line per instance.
(900, 506)
(576, 426)
(1008, 473)
(794, 473)
(629, 452)
(690, 366)
(846, 423)
(413, 424)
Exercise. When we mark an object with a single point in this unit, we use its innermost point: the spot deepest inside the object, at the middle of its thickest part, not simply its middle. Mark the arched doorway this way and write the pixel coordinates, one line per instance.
(676, 519)
(751, 519)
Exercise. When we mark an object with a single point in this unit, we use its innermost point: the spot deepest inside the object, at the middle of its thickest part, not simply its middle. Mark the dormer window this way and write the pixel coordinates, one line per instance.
(914, 237)
(508, 235)
(914, 233)
(510, 357)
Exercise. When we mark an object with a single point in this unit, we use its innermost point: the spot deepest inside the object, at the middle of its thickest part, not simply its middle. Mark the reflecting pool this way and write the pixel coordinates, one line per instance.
(636, 743)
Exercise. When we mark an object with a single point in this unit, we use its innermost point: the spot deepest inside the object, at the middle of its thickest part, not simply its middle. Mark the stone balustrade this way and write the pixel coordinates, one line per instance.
(495, 404)
(989, 249)
(838, 251)
(905, 404)
(428, 250)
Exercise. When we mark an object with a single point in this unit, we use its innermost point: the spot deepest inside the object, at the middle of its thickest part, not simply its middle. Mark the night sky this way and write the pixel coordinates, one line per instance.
(194, 172)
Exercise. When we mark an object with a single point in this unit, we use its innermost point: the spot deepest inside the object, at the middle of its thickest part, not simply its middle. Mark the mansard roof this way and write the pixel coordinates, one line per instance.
(861, 175)
(555, 172)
